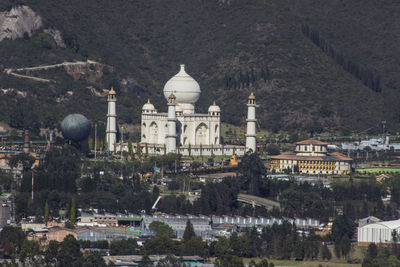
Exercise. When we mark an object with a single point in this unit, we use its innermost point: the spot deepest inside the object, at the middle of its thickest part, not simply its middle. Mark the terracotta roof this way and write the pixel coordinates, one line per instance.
(311, 141)
(340, 156)
(296, 157)
(336, 156)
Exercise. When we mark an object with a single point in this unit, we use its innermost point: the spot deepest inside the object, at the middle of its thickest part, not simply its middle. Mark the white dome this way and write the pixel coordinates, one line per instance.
(184, 87)
(214, 108)
(148, 106)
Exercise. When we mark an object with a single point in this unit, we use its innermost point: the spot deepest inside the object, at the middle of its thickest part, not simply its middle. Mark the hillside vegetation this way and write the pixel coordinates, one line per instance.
(230, 47)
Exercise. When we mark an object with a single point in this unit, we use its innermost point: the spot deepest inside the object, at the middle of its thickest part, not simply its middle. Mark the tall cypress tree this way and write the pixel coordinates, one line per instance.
(189, 231)
(46, 212)
(72, 213)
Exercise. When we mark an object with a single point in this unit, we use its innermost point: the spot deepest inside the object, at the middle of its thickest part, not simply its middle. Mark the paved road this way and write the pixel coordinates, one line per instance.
(258, 201)
(11, 71)
(5, 214)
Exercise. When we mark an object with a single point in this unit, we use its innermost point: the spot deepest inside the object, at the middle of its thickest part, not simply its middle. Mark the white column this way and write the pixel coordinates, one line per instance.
(171, 137)
(251, 124)
(111, 130)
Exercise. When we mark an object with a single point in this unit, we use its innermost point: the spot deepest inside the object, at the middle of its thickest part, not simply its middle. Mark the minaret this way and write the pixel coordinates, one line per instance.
(171, 137)
(111, 130)
(251, 124)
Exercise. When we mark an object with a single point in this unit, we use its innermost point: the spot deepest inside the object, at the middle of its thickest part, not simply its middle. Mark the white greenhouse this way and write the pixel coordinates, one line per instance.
(379, 232)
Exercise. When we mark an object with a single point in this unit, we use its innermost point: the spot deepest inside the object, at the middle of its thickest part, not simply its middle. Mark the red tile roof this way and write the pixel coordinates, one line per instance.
(311, 141)
(336, 156)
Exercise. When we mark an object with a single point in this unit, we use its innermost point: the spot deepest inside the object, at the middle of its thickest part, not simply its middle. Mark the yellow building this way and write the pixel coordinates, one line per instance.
(312, 157)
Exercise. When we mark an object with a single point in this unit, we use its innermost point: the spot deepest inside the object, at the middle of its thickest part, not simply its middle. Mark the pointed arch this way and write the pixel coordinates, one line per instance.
(153, 133)
(202, 134)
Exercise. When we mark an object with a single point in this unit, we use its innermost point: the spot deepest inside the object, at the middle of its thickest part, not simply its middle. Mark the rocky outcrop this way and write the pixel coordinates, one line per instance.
(56, 34)
(18, 21)
(90, 72)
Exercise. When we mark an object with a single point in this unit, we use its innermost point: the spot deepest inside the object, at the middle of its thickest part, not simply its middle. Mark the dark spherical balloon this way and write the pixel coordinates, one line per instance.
(75, 127)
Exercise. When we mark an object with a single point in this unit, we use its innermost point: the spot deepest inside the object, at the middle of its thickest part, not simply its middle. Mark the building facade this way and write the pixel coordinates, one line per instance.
(378, 233)
(191, 127)
(201, 224)
(311, 157)
(193, 133)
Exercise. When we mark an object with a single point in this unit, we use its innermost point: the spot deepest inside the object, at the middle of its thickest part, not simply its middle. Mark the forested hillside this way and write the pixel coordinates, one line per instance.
(339, 75)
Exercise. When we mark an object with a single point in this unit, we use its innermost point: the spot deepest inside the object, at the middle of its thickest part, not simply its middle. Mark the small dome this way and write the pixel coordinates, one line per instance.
(184, 87)
(112, 91)
(148, 106)
(214, 108)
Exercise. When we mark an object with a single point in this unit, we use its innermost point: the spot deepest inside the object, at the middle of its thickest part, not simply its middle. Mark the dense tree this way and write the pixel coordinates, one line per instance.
(326, 253)
(124, 247)
(46, 212)
(231, 261)
(236, 245)
(272, 149)
(252, 169)
(59, 171)
(312, 245)
(11, 240)
(342, 232)
(161, 245)
(189, 231)
(30, 249)
(69, 252)
(372, 251)
(222, 247)
(370, 79)
(5, 181)
(51, 252)
(194, 246)
(161, 229)
(93, 260)
(72, 211)
(299, 250)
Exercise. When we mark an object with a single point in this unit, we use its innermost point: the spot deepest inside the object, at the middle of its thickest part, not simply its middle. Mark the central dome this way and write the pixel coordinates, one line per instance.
(184, 87)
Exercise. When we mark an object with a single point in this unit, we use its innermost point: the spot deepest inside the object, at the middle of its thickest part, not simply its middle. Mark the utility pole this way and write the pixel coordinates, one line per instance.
(33, 178)
(383, 127)
(13, 196)
(95, 140)
(122, 139)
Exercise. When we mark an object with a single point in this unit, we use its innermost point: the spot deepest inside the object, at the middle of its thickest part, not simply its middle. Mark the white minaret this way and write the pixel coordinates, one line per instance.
(111, 130)
(171, 137)
(251, 124)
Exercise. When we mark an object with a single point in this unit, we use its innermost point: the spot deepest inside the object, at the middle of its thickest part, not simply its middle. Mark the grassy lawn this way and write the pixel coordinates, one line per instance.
(305, 263)
(356, 253)
(378, 170)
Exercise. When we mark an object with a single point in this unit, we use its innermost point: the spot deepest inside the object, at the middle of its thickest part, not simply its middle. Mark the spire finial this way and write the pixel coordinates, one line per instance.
(171, 99)
(182, 67)
(112, 91)
(214, 104)
(172, 96)
(148, 101)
